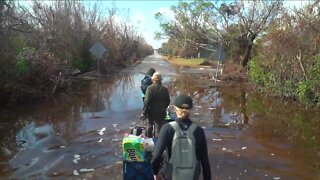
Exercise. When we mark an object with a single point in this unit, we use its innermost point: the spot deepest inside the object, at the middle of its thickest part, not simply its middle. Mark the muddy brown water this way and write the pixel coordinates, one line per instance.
(78, 135)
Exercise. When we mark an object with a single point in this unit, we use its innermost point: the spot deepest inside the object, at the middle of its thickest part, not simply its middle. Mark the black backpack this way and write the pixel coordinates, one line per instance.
(145, 82)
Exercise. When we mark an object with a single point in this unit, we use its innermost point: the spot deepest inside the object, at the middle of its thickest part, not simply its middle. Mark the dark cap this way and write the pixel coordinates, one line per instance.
(183, 102)
(151, 71)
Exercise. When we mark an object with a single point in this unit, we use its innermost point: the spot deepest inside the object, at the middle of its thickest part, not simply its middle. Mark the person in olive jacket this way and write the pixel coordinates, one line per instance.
(156, 101)
(183, 104)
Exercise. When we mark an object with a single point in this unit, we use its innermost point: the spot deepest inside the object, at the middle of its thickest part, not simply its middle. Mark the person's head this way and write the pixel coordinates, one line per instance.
(156, 77)
(151, 71)
(183, 104)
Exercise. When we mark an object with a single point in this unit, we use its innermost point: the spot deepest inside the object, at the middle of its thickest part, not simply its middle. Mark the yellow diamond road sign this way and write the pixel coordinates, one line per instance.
(98, 50)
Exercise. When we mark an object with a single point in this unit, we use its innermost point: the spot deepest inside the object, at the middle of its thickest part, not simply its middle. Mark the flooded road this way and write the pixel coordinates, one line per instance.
(78, 135)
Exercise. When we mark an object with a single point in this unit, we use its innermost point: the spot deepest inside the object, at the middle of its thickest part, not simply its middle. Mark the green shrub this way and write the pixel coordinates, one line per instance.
(22, 66)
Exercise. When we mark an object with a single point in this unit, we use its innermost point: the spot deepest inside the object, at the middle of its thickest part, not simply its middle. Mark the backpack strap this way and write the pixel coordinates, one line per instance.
(178, 129)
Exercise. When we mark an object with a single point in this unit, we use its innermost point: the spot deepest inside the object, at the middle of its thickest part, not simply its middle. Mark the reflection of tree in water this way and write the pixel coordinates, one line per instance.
(62, 112)
(284, 119)
(230, 100)
(117, 89)
(186, 83)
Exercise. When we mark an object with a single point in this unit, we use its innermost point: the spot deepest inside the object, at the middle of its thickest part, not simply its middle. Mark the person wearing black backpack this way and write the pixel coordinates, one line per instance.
(185, 147)
(155, 105)
(146, 81)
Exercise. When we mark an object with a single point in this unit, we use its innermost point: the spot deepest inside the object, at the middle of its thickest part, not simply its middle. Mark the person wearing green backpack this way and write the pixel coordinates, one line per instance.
(183, 145)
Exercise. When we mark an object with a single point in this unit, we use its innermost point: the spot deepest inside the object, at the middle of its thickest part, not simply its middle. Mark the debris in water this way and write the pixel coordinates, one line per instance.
(276, 178)
(86, 170)
(211, 108)
(272, 154)
(225, 149)
(100, 140)
(114, 125)
(266, 175)
(196, 113)
(101, 131)
(244, 148)
(76, 158)
(62, 147)
(218, 139)
(75, 172)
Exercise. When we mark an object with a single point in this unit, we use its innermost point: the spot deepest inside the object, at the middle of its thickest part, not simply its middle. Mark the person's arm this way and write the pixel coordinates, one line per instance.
(167, 98)
(162, 143)
(147, 101)
(204, 159)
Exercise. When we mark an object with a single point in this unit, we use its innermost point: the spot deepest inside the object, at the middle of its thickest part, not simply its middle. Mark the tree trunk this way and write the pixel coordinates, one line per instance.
(246, 57)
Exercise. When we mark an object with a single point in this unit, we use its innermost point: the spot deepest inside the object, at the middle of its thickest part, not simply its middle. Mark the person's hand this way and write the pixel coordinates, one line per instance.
(157, 177)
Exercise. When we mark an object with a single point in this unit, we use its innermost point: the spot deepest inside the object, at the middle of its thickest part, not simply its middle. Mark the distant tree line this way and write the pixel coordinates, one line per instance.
(278, 46)
(44, 46)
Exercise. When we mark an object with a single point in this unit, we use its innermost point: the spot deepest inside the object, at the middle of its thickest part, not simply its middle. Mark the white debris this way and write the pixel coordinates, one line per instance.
(211, 108)
(244, 148)
(62, 147)
(225, 149)
(272, 154)
(114, 125)
(75, 172)
(276, 178)
(100, 140)
(101, 131)
(218, 139)
(76, 158)
(86, 170)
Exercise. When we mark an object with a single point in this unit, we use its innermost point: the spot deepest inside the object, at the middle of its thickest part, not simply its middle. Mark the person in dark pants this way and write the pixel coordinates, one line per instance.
(155, 104)
(182, 105)
(146, 82)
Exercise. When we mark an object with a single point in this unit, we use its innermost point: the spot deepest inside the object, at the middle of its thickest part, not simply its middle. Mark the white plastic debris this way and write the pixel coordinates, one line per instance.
(114, 125)
(276, 178)
(101, 131)
(100, 140)
(76, 158)
(272, 154)
(218, 139)
(62, 147)
(86, 170)
(244, 148)
(75, 172)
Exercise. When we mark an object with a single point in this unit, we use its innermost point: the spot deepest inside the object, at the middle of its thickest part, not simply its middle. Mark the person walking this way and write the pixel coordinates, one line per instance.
(146, 82)
(183, 158)
(156, 101)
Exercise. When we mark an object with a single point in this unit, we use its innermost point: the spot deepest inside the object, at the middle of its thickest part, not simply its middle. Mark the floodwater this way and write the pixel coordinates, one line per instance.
(78, 135)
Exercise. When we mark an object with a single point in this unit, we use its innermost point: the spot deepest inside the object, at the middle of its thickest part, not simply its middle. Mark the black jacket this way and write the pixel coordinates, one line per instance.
(156, 101)
(165, 141)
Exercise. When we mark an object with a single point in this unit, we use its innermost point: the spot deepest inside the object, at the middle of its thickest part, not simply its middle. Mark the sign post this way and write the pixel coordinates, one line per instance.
(98, 51)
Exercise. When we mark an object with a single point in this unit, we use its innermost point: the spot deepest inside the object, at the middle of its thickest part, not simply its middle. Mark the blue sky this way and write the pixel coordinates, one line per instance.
(141, 15)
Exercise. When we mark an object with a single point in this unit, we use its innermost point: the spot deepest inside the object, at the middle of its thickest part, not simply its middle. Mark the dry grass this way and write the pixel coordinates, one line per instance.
(234, 72)
(192, 62)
